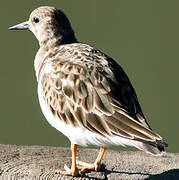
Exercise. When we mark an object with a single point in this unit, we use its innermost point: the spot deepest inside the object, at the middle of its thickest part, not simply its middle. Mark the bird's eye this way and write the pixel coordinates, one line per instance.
(36, 20)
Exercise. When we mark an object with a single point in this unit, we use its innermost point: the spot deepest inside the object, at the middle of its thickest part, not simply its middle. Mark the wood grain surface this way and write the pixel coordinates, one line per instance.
(39, 162)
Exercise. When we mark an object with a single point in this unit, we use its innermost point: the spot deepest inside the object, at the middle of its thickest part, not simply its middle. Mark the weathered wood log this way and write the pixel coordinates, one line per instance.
(39, 162)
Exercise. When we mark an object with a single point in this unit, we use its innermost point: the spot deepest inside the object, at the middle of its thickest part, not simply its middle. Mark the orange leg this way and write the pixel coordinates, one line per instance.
(82, 166)
(74, 170)
(99, 158)
(92, 167)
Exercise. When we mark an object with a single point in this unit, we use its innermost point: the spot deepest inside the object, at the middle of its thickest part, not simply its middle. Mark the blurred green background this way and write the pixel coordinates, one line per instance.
(143, 36)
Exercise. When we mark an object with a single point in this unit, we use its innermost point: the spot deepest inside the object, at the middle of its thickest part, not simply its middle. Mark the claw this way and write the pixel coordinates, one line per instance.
(82, 167)
(66, 168)
(68, 171)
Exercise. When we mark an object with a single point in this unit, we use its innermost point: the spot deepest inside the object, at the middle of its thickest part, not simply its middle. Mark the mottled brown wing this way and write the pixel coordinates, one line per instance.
(90, 97)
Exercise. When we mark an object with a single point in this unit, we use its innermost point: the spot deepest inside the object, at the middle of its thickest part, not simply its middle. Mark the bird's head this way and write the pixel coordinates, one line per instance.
(48, 23)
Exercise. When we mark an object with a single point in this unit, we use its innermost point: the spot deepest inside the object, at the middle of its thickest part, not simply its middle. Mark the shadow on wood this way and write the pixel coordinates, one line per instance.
(170, 174)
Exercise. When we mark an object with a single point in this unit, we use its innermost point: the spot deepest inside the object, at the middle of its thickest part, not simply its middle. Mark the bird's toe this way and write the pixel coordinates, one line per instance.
(68, 172)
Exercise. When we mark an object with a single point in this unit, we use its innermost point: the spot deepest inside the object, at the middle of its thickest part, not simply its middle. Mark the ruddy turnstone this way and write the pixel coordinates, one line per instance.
(84, 93)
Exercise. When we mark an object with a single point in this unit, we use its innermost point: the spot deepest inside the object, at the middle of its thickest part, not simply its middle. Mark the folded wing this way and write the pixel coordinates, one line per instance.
(99, 99)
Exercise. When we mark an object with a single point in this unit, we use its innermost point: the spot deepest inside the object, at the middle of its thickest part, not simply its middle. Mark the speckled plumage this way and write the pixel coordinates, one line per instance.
(77, 86)
(84, 93)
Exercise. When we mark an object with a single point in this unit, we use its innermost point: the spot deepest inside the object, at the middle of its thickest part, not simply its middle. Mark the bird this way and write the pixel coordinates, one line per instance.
(84, 93)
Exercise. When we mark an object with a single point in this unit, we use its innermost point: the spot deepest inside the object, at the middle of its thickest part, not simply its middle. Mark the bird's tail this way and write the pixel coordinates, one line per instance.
(156, 148)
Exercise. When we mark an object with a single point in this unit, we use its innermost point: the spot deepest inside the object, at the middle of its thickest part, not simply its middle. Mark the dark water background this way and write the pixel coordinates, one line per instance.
(143, 36)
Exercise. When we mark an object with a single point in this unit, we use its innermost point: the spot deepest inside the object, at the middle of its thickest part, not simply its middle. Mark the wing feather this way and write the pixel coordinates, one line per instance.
(100, 99)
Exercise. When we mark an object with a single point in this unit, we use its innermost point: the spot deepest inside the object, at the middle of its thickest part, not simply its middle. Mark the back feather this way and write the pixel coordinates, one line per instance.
(89, 89)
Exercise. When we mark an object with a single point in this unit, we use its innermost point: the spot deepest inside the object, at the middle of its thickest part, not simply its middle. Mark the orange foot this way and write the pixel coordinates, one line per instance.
(86, 167)
(68, 172)
(79, 167)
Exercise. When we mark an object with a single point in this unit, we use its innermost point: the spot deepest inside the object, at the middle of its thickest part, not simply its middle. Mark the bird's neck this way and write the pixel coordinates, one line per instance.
(49, 40)
(42, 55)
(52, 39)
(48, 47)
